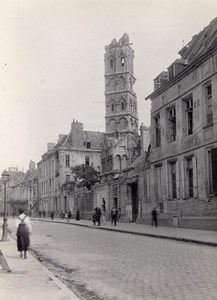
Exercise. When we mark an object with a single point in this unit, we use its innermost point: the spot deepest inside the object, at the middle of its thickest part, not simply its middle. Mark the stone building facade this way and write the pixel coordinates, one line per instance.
(122, 144)
(182, 179)
(22, 190)
(76, 148)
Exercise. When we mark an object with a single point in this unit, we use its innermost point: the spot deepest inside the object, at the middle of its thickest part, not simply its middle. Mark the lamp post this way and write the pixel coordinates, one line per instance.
(5, 238)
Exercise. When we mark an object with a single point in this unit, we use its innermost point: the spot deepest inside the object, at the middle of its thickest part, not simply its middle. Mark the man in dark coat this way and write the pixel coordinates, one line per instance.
(154, 217)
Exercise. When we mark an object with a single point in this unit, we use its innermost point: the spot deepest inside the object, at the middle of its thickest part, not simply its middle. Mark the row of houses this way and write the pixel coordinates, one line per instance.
(171, 166)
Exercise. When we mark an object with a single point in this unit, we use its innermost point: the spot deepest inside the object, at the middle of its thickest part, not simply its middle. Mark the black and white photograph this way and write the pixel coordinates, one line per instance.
(108, 150)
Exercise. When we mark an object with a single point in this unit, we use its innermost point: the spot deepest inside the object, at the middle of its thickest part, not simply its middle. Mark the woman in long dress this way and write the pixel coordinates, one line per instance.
(24, 229)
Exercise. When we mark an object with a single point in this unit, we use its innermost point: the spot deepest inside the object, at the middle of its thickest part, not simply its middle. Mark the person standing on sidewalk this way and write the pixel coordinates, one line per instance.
(114, 216)
(154, 217)
(24, 229)
(103, 215)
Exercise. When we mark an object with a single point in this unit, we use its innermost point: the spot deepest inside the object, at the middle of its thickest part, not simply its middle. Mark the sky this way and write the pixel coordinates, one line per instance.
(52, 63)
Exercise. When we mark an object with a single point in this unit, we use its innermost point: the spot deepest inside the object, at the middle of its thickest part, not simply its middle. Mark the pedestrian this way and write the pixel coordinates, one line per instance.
(98, 215)
(77, 215)
(39, 214)
(94, 217)
(69, 216)
(44, 213)
(103, 210)
(114, 216)
(154, 217)
(24, 229)
(52, 215)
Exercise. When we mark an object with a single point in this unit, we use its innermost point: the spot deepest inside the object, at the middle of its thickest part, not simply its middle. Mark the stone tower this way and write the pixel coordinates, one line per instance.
(121, 103)
(121, 146)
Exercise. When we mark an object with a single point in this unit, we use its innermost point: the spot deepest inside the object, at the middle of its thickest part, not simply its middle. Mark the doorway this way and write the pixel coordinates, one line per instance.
(135, 198)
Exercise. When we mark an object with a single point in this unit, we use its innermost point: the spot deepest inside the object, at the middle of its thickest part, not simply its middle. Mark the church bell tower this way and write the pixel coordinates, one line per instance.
(121, 115)
(121, 140)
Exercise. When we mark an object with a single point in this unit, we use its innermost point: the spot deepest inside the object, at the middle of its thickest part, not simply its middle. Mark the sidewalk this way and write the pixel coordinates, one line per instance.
(203, 237)
(28, 279)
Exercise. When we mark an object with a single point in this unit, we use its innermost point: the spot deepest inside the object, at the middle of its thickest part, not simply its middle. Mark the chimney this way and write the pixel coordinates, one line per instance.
(31, 166)
(77, 134)
(61, 136)
(145, 137)
(50, 146)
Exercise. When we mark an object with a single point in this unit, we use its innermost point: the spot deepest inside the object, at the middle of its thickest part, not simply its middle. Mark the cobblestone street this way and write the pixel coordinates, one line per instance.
(123, 266)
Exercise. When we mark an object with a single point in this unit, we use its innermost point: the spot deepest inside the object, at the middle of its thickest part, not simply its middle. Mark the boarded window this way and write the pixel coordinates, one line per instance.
(214, 169)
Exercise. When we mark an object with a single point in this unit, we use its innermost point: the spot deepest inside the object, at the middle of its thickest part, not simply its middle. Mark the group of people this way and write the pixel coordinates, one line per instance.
(24, 227)
(99, 216)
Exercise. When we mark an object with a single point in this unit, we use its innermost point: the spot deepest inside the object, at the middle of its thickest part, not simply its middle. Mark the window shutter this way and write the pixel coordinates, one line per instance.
(194, 162)
(167, 187)
(214, 169)
(177, 180)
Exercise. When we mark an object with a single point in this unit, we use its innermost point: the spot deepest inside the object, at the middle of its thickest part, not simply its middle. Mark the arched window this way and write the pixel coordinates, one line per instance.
(122, 61)
(123, 124)
(118, 162)
(112, 125)
(121, 84)
(124, 162)
(111, 63)
(112, 85)
(122, 105)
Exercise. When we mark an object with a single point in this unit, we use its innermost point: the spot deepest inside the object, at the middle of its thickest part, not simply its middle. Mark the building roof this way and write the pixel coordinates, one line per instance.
(201, 42)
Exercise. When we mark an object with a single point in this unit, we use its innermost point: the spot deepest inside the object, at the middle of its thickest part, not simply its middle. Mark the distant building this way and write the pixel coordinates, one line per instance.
(21, 190)
(55, 174)
(182, 179)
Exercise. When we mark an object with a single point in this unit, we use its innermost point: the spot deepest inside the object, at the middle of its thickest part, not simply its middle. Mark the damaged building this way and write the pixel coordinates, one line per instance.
(121, 146)
(182, 178)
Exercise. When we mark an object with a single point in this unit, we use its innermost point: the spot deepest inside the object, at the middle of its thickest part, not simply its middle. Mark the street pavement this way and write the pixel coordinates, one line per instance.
(28, 279)
(203, 237)
(113, 264)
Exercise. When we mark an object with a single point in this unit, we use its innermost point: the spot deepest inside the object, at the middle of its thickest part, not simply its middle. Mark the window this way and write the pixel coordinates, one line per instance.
(122, 105)
(189, 112)
(67, 160)
(113, 107)
(208, 92)
(111, 63)
(172, 124)
(157, 131)
(87, 160)
(122, 61)
(173, 191)
(88, 145)
(190, 180)
(67, 178)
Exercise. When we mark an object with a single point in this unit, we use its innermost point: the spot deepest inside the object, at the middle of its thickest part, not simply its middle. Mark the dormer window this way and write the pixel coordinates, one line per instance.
(122, 61)
(111, 63)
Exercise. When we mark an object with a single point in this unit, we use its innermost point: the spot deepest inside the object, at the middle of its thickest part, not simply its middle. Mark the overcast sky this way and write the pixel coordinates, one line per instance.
(52, 62)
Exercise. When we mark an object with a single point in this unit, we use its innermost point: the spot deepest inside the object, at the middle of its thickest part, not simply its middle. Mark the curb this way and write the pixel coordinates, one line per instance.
(185, 240)
(69, 293)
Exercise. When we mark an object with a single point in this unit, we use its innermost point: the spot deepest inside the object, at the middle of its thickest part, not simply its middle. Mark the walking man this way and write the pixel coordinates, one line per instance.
(154, 217)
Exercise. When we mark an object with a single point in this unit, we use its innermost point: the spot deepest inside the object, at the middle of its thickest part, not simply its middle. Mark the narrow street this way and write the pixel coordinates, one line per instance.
(98, 264)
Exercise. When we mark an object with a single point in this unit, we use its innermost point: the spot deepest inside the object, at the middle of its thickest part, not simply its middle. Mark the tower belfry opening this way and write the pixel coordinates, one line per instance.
(120, 98)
